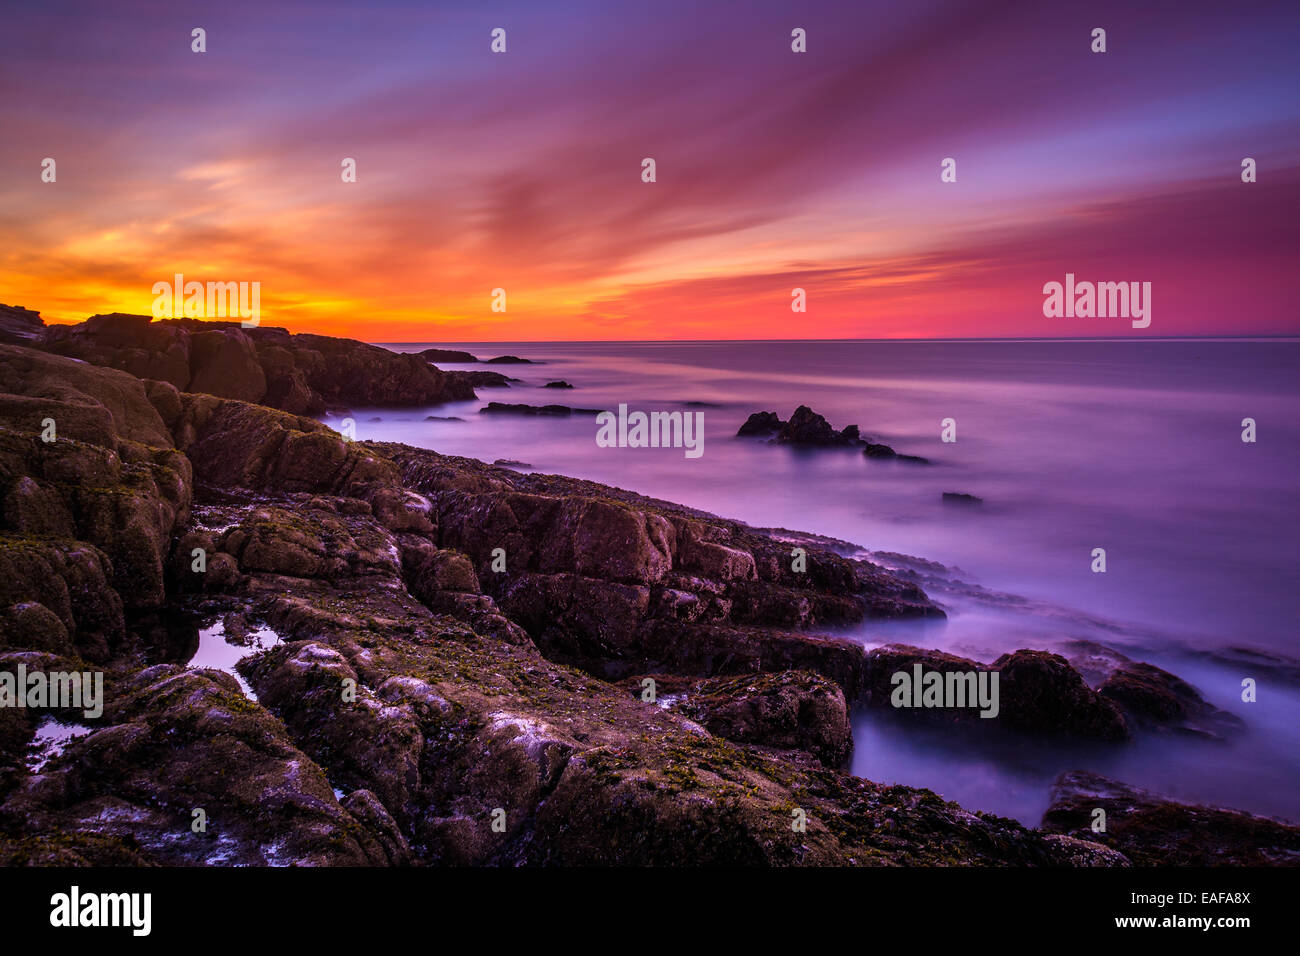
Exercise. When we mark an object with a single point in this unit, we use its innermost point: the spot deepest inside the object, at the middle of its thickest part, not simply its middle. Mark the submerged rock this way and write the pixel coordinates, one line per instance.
(1151, 698)
(480, 379)
(552, 411)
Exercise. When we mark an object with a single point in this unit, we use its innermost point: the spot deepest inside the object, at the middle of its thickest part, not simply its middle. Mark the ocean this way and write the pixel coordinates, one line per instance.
(1133, 446)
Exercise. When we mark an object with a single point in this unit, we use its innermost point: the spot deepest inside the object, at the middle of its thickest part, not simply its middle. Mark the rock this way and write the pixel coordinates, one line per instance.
(583, 560)
(960, 498)
(787, 710)
(878, 451)
(554, 411)
(87, 403)
(806, 427)
(1038, 693)
(224, 363)
(28, 625)
(429, 570)
(761, 423)
(510, 360)
(20, 326)
(559, 384)
(1153, 830)
(171, 741)
(1154, 698)
(1150, 698)
(1041, 692)
(302, 374)
(473, 380)
(453, 356)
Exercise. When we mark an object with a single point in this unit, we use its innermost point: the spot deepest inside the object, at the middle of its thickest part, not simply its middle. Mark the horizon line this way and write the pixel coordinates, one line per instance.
(990, 338)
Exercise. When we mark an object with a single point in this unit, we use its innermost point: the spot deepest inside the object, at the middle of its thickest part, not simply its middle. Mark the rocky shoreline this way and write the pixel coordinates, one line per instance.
(460, 663)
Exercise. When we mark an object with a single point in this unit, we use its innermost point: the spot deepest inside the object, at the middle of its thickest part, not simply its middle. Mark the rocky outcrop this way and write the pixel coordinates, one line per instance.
(805, 427)
(761, 423)
(808, 429)
(1153, 830)
(621, 585)
(91, 492)
(302, 374)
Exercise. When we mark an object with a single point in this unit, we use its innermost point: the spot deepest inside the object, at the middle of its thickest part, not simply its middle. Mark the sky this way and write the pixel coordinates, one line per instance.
(775, 170)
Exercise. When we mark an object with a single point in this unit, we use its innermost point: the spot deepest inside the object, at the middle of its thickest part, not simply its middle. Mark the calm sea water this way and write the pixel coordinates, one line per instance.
(1130, 446)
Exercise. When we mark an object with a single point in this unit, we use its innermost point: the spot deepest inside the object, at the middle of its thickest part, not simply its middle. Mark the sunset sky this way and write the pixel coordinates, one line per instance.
(775, 169)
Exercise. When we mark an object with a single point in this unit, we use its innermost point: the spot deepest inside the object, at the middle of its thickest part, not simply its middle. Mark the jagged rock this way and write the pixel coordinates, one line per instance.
(808, 429)
(761, 423)
(961, 498)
